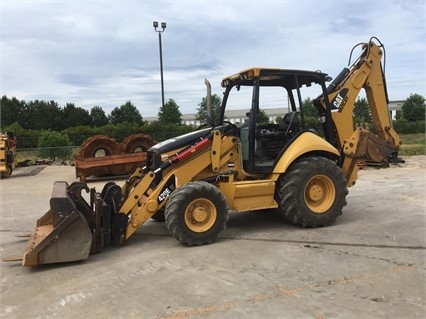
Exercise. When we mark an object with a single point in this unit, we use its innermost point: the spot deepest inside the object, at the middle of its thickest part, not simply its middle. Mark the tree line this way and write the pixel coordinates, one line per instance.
(45, 115)
(409, 119)
(31, 118)
(48, 115)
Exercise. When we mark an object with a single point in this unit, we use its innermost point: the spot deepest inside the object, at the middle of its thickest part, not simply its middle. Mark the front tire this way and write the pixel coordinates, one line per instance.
(196, 213)
(9, 169)
(159, 216)
(312, 192)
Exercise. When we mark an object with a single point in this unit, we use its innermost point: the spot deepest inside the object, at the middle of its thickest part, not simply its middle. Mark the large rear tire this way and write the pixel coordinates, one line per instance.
(98, 146)
(137, 143)
(312, 192)
(196, 213)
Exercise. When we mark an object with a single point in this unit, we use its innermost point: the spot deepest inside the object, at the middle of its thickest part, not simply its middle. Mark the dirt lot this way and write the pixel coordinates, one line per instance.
(370, 264)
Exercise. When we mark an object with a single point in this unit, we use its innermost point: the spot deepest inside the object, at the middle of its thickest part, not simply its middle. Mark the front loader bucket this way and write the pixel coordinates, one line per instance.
(70, 240)
(64, 233)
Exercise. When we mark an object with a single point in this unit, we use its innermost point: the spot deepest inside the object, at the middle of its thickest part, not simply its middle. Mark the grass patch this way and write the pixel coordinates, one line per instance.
(413, 144)
(33, 155)
(23, 155)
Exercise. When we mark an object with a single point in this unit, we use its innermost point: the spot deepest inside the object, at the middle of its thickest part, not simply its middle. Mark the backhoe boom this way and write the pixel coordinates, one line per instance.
(359, 142)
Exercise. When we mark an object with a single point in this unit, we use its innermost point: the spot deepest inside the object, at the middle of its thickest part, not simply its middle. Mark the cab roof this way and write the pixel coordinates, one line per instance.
(290, 79)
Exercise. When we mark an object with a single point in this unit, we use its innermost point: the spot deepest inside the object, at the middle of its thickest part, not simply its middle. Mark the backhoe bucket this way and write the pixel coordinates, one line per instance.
(375, 149)
(64, 233)
(363, 144)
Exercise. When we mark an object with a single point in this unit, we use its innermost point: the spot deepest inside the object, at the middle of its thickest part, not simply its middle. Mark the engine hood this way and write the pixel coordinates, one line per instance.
(180, 141)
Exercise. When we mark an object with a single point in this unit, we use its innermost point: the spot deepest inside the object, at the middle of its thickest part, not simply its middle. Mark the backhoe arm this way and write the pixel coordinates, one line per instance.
(359, 143)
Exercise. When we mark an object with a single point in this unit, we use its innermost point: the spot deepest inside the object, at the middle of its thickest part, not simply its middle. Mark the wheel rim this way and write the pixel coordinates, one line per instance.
(100, 152)
(320, 193)
(200, 215)
(139, 149)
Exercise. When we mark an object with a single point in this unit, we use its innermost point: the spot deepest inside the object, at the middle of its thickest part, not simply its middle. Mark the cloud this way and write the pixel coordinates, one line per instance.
(106, 53)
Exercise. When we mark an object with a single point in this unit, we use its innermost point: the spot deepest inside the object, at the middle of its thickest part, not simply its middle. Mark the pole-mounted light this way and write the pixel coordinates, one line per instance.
(163, 27)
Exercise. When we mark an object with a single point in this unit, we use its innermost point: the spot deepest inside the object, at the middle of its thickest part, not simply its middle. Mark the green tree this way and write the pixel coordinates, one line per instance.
(126, 113)
(361, 111)
(78, 134)
(170, 114)
(98, 116)
(263, 117)
(121, 130)
(201, 114)
(310, 116)
(53, 144)
(11, 111)
(43, 115)
(309, 109)
(75, 116)
(16, 129)
(413, 108)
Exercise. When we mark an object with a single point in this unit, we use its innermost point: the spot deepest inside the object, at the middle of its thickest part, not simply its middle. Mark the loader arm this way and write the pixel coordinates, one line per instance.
(146, 197)
(72, 229)
(358, 142)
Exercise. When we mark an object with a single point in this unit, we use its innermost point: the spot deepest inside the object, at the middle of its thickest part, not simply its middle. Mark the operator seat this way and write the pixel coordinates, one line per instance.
(289, 124)
(272, 143)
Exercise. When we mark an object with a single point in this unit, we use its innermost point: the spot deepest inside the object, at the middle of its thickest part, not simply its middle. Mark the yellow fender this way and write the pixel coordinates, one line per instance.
(305, 143)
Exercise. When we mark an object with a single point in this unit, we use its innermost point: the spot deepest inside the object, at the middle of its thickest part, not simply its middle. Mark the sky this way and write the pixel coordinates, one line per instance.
(104, 53)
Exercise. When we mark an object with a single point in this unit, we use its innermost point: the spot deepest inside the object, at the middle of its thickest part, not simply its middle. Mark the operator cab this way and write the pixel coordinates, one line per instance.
(278, 109)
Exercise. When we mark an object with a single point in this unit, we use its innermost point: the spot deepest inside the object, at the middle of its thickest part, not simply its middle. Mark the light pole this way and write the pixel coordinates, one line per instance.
(163, 27)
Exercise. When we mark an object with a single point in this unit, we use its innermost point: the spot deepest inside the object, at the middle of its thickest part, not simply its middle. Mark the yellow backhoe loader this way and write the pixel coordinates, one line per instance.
(194, 180)
(7, 153)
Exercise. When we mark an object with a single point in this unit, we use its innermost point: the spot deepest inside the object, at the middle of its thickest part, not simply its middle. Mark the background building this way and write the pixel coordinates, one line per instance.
(239, 116)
